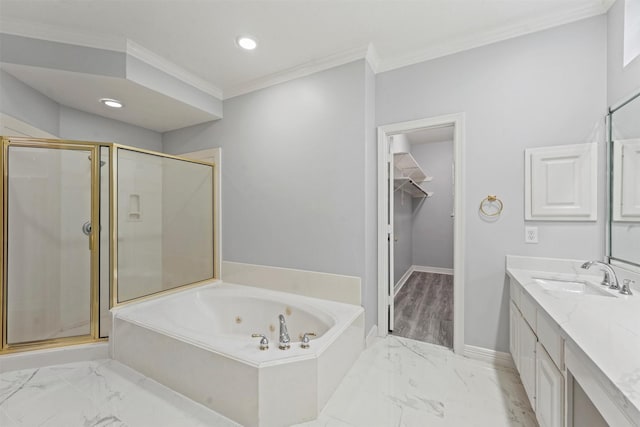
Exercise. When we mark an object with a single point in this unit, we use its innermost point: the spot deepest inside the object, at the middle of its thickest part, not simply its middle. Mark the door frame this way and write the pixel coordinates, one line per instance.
(214, 155)
(94, 258)
(385, 288)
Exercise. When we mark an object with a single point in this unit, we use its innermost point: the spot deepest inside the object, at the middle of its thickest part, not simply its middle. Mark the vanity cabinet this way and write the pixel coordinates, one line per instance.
(541, 375)
(549, 390)
(527, 355)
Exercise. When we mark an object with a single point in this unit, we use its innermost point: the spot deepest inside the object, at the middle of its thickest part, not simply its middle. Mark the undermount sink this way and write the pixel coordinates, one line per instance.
(574, 287)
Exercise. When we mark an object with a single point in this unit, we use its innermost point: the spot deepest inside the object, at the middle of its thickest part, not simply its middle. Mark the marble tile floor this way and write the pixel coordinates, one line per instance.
(395, 382)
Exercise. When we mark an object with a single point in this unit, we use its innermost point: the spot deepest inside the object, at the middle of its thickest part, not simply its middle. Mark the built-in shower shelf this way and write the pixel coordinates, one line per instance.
(410, 187)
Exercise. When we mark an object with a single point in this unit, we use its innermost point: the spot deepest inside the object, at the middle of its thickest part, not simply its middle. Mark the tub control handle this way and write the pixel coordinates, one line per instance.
(305, 342)
(264, 342)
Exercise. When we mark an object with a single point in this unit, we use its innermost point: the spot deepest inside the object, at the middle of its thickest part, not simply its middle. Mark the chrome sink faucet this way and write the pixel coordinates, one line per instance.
(284, 342)
(609, 279)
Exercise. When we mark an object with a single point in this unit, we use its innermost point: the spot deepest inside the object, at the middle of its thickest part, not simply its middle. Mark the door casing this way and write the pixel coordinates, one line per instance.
(385, 218)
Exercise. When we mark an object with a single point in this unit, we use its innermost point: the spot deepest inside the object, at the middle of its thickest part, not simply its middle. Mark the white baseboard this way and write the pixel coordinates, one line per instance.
(372, 336)
(402, 281)
(496, 358)
(437, 270)
(54, 356)
(421, 269)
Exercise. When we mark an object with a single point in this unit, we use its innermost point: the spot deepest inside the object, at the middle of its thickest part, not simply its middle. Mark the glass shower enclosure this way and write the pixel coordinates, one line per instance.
(87, 226)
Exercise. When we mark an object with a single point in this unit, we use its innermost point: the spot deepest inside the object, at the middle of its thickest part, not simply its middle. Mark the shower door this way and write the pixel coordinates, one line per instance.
(51, 202)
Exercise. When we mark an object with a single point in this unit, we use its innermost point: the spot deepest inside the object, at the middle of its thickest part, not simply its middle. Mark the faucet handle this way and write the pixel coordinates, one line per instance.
(305, 341)
(626, 287)
(264, 342)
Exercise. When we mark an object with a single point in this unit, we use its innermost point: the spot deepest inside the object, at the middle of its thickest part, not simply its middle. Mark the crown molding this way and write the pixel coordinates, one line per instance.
(52, 33)
(504, 33)
(372, 58)
(159, 62)
(302, 70)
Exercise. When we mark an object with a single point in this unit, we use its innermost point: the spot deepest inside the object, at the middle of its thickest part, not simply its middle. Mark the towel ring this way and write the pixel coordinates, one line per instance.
(490, 200)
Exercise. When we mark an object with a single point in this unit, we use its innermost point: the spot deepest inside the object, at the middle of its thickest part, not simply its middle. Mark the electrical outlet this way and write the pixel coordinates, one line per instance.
(531, 234)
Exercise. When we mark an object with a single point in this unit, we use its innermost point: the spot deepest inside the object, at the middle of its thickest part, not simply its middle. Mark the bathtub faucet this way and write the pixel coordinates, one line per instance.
(284, 342)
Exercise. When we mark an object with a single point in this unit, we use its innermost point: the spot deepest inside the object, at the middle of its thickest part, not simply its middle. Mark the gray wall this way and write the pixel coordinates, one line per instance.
(402, 228)
(432, 227)
(621, 82)
(293, 179)
(546, 88)
(75, 124)
(27, 104)
(370, 283)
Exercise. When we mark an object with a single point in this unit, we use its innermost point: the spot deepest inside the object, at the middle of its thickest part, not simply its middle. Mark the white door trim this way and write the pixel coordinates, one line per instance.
(458, 121)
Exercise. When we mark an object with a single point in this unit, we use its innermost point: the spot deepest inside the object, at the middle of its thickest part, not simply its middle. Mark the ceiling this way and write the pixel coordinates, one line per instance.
(294, 36)
(143, 107)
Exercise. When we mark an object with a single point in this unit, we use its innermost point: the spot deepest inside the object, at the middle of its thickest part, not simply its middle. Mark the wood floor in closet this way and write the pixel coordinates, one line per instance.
(424, 309)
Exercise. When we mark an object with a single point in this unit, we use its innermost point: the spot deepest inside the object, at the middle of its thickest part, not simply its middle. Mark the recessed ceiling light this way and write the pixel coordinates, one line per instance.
(246, 42)
(112, 103)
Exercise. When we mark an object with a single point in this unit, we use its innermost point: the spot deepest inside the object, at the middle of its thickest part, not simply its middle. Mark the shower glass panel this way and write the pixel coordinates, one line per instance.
(48, 242)
(164, 223)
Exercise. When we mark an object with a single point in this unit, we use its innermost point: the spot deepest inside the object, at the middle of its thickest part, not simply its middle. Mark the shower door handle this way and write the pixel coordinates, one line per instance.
(86, 229)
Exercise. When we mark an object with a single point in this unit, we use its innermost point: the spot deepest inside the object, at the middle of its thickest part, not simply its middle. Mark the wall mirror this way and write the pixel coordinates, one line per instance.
(624, 173)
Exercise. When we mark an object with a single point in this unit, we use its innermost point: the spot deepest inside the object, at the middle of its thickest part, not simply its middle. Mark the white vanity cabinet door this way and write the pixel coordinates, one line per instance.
(527, 351)
(514, 345)
(549, 405)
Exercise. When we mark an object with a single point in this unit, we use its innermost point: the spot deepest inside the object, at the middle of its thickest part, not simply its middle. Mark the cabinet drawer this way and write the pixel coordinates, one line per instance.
(549, 337)
(514, 290)
(528, 309)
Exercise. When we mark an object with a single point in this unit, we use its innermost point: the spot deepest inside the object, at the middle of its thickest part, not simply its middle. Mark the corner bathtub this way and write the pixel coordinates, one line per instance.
(198, 342)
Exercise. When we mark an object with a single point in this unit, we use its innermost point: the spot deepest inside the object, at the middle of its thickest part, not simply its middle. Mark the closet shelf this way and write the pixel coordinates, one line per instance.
(409, 168)
(411, 187)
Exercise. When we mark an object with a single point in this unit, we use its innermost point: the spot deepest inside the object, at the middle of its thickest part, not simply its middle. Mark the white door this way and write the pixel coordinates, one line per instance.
(391, 235)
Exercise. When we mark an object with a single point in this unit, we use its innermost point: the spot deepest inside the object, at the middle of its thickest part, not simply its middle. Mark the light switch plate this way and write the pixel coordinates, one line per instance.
(531, 234)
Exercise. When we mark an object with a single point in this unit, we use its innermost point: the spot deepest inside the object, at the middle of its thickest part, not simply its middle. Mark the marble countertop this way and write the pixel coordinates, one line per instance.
(605, 329)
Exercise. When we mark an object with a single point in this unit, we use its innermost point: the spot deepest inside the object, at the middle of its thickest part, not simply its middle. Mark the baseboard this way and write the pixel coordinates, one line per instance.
(54, 356)
(402, 280)
(372, 336)
(496, 358)
(427, 269)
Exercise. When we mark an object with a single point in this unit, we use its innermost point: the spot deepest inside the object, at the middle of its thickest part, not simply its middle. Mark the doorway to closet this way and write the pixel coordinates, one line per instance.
(423, 218)
(421, 229)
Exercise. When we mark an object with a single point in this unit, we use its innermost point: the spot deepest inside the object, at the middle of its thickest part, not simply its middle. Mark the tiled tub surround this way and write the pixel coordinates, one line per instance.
(198, 342)
(601, 334)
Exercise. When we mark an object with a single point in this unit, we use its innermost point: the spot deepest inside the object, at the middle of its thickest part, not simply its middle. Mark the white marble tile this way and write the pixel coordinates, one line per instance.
(396, 382)
(6, 420)
(400, 382)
